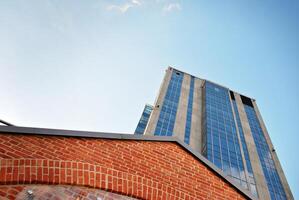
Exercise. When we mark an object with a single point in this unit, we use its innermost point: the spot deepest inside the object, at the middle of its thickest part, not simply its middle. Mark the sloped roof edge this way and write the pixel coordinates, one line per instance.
(103, 135)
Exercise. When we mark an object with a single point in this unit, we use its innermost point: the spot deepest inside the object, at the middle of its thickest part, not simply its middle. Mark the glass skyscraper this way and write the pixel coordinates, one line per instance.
(143, 119)
(224, 126)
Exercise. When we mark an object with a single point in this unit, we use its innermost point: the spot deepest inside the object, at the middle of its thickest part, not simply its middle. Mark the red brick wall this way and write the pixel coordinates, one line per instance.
(141, 169)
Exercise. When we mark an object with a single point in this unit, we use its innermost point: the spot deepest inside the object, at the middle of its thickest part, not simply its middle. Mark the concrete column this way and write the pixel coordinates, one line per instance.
(280, 172)
(181, 115)
(239, 139)
(260, 181)
(153, 119)
(196, 124)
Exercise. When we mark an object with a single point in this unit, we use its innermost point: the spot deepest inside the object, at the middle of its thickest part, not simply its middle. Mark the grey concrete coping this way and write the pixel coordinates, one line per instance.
(118, 136)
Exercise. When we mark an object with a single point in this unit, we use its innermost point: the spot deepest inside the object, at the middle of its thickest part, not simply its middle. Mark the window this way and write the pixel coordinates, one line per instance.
(222, 145)
(168, 111)
(244, 147)
(189, 112)
(273, 181)
(144, 119)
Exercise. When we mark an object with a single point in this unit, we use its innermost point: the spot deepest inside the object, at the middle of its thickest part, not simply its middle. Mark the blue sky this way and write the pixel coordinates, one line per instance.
(92, 65)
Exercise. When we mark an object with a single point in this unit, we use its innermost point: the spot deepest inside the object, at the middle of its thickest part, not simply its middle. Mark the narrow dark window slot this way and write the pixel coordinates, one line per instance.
(232, 95)
(247, 101)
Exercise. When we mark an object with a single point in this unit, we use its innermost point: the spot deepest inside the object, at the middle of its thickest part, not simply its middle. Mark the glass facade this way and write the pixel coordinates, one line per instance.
(245, 151)
(168, 111)
(143, 120)
(273, 181)
(189, 112)
(224, 141)
(220, 140)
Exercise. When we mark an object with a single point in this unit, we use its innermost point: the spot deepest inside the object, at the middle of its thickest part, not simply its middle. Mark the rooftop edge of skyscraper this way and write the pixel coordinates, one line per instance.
(174, 68)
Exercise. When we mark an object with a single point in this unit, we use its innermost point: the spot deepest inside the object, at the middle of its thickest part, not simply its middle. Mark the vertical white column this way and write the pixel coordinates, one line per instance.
(181, 115)
(260, 181)
(153, 119)
(196, 123)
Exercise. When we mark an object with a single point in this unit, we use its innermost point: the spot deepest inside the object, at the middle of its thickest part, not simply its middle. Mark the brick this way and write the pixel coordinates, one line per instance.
(143, 169)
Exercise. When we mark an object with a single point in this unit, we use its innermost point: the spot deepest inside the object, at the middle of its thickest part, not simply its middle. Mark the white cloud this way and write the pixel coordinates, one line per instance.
(172, 7)
(121, 8)
(136, 2)
(124, 7)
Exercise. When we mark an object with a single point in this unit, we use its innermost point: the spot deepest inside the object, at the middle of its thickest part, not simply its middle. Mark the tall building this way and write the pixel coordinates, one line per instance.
(224, 126)
(143, 119)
